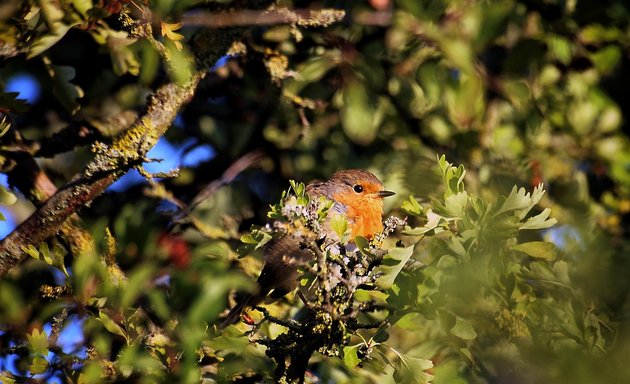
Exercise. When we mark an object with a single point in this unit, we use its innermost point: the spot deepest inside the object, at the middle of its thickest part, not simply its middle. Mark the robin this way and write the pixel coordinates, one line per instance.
(357, 194)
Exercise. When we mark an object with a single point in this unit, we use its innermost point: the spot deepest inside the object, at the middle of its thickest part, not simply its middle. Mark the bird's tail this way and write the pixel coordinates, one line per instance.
(235, 313)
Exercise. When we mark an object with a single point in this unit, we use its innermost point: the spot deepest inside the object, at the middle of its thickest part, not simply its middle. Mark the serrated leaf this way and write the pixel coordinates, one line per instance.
(396, 258)
(38, 342)
(411, 206)
(456, 204)
(518, 199)
(540, 221)
(168, 30)
(38, 366)
(538, 250)
(31, 251)
(453, 177)
(411, 370)
(350, 356)
(463, 329)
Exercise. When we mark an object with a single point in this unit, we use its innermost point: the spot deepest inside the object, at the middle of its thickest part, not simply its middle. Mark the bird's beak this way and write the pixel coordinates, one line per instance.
(385, 193)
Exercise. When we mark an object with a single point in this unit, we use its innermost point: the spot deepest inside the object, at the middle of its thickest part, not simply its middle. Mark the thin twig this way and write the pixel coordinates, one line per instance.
(248, 17)
(227, 177)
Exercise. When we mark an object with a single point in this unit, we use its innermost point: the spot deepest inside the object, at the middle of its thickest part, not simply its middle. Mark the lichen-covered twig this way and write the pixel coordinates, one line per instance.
(247, 17)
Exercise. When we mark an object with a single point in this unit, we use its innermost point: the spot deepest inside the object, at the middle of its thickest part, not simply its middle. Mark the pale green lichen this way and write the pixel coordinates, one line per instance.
(130, 148)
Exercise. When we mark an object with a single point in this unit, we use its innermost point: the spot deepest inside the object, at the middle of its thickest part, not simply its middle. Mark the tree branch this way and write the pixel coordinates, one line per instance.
(248, 17)
(109, 163)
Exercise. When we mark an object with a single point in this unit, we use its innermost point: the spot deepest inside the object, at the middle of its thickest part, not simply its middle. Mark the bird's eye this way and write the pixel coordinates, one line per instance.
(357, 188)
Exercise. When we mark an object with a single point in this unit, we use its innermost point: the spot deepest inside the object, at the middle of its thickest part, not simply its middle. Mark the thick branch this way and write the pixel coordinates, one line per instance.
(108, 164)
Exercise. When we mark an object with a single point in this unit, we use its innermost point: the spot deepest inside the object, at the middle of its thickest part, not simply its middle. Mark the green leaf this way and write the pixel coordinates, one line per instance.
(453, 177)
(137, 283)
(179, 64)
(7, 378)
(82, 6)
(58, 256)
(518, 199)
(339, 224)
(360, 115)
(607, 58)
(66, 92)
(44, 252)
(31, 251)
(38, 366)
(393, 263)
(46, 41)
(111, 326)
(455, 204)
(123, 58)
(463, 329)
(411, 369)
(540, 221)
(6, 197)
(411, 206)
(538, 250)
(459, 52)
(38, 342)
(350, 356)
(312, 71)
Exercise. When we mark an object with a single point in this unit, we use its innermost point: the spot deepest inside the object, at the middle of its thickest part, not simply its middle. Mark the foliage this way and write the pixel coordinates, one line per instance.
(512, 266)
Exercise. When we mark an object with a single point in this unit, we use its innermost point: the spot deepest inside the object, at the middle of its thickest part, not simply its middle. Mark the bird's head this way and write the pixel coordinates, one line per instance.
(360, 195)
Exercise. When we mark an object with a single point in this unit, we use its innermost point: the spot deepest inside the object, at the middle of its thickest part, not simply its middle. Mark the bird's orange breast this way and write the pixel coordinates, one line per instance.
(364, 214)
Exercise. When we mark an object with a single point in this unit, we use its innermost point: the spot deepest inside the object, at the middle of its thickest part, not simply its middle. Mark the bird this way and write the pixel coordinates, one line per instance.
(357, 194)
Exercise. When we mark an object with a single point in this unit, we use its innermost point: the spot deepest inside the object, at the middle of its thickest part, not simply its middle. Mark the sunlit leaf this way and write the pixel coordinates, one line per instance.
(46, 41)
(411, 206)
(339, 224)
(38, 342)
(168, 30)
(350, 357)
(6, 196)
(540, 221)
(393, 263)
(537, 249)
(38, 365)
